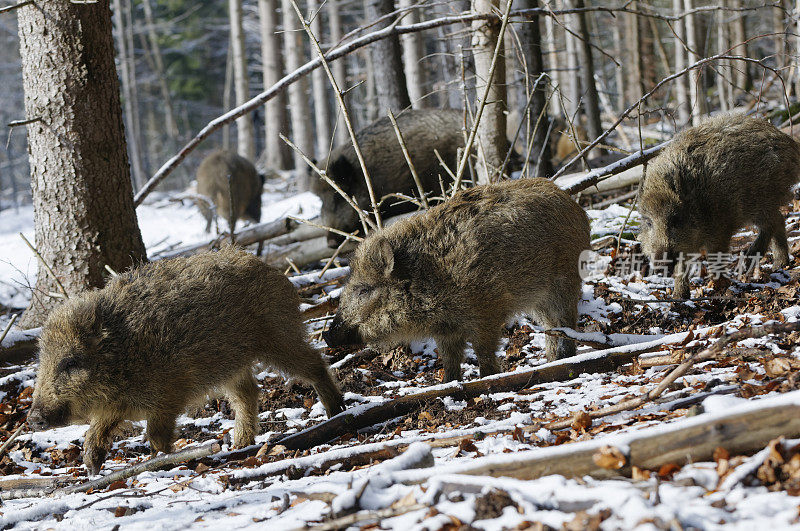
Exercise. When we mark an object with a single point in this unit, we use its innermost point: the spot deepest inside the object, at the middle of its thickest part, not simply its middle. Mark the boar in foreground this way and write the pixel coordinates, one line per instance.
(161, 337)
(460, 270)
(423, 132)
(711, 181)
(233, 184)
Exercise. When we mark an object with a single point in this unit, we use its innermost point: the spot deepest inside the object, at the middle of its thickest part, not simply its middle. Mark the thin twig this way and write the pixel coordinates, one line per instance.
(332, 258)
(18, 123)
(46, 266)
(11, 439)
(331, 229)
(411, 167)
(345, 114)
(7, 329)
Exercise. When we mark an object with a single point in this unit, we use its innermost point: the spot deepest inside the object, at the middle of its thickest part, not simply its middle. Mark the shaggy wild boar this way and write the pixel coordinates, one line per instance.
(423, 132)
(243, 193)
(712, 180)
(161, 337)
(460, 270)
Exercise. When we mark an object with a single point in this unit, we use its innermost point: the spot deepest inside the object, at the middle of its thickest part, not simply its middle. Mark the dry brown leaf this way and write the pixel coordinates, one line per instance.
(668, 470)
(777, 367)
(639, 474)
(581, 421)
(609, 458)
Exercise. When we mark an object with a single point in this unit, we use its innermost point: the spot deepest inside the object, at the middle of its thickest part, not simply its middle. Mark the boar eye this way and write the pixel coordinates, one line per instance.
(646, 222)
(67, 365)
(363, 290)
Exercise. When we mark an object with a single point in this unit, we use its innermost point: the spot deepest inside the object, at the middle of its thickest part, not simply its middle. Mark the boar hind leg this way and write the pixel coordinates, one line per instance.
(485, 347)
(97, 443)
(306, 364)
(161, 432)
(451, 353)
(243, 394)
(779, 244)
(557, 310)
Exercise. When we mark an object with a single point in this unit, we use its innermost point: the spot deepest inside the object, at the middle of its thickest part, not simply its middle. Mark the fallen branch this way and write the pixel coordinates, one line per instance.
(304, 253)
(600, 340)
(740, 430)
(577, 183)
(11, 439)
(704, 355)
(364, 516)
(19, 346)
(149, 465)
(250, 235)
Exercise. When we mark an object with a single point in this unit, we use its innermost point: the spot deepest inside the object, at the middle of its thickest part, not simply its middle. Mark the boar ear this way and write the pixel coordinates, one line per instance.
(341, 171)
(93, 331)
(384, 257)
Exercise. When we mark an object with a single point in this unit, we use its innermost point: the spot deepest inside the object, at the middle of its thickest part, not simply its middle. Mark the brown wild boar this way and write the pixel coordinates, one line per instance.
(239, 198)
(712, 180)
(460, 270)
(423, 132)
(162, 336)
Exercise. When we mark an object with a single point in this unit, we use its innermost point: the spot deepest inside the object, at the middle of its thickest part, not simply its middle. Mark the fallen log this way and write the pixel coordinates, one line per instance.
(304, 253)
(19, 345)
(366, 415)
(740, 430)
(575, 183)
(250, 235)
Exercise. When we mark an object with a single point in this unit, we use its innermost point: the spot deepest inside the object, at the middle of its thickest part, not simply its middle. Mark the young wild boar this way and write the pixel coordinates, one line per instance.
(712, 180)
(161, 337)
(243, 193)
(460, 270)
(423, 132)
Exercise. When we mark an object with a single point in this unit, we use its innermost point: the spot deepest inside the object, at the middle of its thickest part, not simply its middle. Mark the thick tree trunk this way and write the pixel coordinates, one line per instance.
(83, 201)
(319, 89)
(491, 138)
(339, 67)
(530, 38)
(293, 46)
(387, 62)
(276, 153)
(413, 52)
(591, 102)
(246, 145)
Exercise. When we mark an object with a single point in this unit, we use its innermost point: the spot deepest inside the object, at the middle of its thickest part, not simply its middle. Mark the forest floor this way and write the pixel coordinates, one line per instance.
(352, 482)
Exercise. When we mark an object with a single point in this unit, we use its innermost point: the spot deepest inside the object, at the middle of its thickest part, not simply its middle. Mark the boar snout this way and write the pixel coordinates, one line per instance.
(42, 419)
(340, 333)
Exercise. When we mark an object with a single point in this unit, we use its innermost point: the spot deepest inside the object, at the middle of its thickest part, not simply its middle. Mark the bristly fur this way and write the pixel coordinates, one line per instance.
(245, 187)
(423, 132)
(161, 337)
(460, 270)
(712, 180)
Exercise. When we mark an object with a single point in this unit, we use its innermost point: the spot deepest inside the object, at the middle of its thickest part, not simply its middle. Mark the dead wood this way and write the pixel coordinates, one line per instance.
(364, 516)
(250, 235)
(709, 353)
(20, 347)
(304, 253)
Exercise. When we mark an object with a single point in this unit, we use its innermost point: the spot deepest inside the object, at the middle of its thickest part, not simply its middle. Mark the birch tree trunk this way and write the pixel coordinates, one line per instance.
(319, 90)
(387, 62)
(682, 103)
(553, 62)
(226, 96)
(293, 46)
(492, 143)
(339, 66)
(276, 153)
(635, 85)
(128, 80)
(591, 102)
(695, 83)
(82, 195)
(413, 52)
(245, 133)
(572, 77)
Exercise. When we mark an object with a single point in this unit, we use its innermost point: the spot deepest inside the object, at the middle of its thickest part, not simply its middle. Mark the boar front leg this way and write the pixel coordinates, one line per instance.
(779, 244)
(681, 277)
(485, 346)
(97, 443)
(243, 394)
(161, 431)
(451, 353)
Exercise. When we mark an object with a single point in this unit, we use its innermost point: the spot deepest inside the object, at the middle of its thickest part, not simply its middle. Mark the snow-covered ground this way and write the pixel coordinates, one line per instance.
(286, 489)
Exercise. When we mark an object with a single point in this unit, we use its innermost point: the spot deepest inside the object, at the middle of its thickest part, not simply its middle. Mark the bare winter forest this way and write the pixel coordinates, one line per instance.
(400, 264)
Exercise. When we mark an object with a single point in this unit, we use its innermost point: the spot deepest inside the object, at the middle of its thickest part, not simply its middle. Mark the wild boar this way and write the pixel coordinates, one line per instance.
(458, 271)
(234, 199)
(712, 180)
(162, 336)
(423, 132)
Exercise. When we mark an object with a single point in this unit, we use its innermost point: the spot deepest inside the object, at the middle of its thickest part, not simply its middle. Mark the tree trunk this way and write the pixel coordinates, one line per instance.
(319, 89)
(387, 62)
(619, 50)
(682, 103)
(450, 53)
(161, 72)
(530, 38)
(82, 195)
(696, 95)
(226, 96)
(293, 40)
(413, 52)
(276, 153)
(339, 66)
(591, 102)
(573, 83)
(492, 143)
(723, 69)
(126, 61)
(742, 75)
(553, 64)
(635, 85)
(779, 27)
(245, 133)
